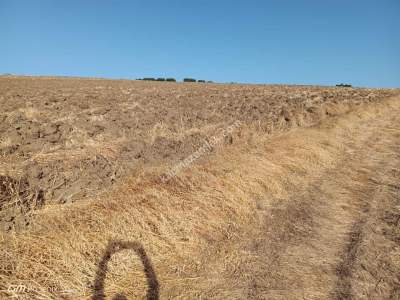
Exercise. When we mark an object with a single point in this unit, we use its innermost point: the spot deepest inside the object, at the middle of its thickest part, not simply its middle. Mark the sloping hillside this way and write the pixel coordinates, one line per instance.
(303, 206)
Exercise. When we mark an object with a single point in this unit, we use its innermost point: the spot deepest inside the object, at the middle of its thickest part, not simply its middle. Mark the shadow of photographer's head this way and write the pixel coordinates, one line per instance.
(114, 247)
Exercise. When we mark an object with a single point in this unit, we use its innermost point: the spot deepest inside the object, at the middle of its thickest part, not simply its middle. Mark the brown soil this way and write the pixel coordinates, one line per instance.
(301, 202)
(69, 139)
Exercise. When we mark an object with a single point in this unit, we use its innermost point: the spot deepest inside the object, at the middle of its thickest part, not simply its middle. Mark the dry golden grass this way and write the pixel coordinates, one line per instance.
(88, 134)
(215, 231)
(30, 113)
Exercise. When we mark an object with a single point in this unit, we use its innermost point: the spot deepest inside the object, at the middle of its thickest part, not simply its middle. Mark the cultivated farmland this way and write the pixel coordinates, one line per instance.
(125, 188)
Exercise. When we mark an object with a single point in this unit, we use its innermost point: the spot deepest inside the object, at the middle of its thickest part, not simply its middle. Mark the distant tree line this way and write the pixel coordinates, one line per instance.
(344, 85)
(157, 79)
(173, 79)
(194, 80)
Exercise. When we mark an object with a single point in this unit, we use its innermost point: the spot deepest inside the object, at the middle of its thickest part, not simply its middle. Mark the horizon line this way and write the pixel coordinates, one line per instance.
(8, 74)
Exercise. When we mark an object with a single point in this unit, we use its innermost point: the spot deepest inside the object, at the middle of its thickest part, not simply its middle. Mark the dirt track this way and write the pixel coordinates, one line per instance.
(337, 234)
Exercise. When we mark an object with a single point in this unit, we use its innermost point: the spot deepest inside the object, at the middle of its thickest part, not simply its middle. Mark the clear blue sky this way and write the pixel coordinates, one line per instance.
(298, 41)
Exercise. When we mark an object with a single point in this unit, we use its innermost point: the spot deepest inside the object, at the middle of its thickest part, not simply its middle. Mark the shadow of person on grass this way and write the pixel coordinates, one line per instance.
(115, 247)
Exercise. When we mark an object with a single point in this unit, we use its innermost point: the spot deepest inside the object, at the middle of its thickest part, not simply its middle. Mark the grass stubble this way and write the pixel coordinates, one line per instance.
(237, 224)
